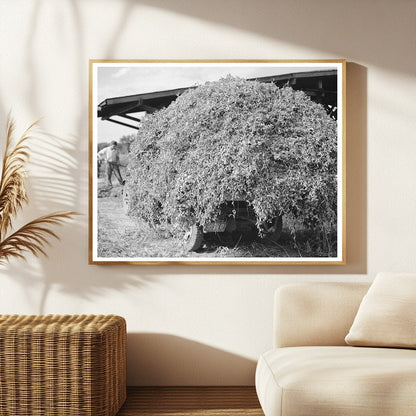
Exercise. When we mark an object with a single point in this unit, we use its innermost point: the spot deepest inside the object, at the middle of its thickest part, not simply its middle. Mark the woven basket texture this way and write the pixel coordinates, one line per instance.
(56, 365)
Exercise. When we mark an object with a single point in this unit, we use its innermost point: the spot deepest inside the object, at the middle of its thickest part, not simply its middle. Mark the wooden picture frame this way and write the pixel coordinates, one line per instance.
(186, 128)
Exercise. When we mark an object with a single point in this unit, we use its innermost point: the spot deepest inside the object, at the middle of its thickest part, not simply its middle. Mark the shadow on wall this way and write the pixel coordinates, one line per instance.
(161, 359)
(60, 182)
(338, 28)
(356, 166)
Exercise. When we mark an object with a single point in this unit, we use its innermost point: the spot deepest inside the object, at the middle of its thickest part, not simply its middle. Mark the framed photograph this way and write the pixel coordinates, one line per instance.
(217, 162)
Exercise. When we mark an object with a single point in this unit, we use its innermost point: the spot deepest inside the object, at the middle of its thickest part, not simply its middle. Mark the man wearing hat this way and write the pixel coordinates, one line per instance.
(111, 155)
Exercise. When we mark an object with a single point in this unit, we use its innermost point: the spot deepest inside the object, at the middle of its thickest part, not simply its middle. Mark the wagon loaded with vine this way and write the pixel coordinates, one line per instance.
(236, 159)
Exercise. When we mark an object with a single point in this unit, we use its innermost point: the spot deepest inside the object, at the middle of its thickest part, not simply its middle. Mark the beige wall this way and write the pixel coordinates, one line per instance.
(204, 324)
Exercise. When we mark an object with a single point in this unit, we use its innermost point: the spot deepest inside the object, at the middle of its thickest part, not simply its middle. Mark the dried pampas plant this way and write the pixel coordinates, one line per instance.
(34, 236)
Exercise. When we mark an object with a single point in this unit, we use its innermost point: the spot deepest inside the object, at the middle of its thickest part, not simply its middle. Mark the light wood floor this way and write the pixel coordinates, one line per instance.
(187, 401)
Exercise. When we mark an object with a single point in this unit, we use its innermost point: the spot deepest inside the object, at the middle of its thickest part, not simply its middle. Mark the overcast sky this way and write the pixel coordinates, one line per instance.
(115, 80)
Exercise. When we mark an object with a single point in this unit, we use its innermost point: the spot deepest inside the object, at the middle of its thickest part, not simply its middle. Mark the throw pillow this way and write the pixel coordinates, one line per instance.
(387, 314)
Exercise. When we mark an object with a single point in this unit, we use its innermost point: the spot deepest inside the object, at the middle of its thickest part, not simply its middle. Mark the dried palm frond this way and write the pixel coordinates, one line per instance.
(33, 236)
(12, 183)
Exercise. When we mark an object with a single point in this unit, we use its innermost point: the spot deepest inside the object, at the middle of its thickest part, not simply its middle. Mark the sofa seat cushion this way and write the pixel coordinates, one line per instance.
(341, 381)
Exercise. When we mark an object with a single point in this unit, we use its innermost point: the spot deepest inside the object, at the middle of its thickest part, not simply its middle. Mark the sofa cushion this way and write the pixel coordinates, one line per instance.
(342, 381)
(387, 314)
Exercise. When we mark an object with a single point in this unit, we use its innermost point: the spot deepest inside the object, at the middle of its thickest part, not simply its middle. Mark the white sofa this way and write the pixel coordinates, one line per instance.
(311, 371)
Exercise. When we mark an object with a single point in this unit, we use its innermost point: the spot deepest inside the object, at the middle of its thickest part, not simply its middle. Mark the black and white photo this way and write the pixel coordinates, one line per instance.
(208, 162)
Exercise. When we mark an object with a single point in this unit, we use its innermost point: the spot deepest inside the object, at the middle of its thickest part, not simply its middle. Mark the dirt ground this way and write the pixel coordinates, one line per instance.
(120, 236)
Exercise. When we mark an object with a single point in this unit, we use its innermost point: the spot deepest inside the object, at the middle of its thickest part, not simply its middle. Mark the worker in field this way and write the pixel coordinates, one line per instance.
(111, 156)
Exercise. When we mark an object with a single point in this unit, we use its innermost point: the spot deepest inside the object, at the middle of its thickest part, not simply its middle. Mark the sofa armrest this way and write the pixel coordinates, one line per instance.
(315, 313)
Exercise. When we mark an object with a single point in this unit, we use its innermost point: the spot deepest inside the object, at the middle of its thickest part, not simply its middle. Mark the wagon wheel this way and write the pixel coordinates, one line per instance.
(273, 228)
(193, 238)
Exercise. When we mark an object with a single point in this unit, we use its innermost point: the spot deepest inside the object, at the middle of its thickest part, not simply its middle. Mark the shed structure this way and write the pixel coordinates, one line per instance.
(320, 86)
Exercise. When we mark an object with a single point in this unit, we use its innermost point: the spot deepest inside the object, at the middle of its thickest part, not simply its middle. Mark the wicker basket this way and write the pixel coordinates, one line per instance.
(54, 365)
